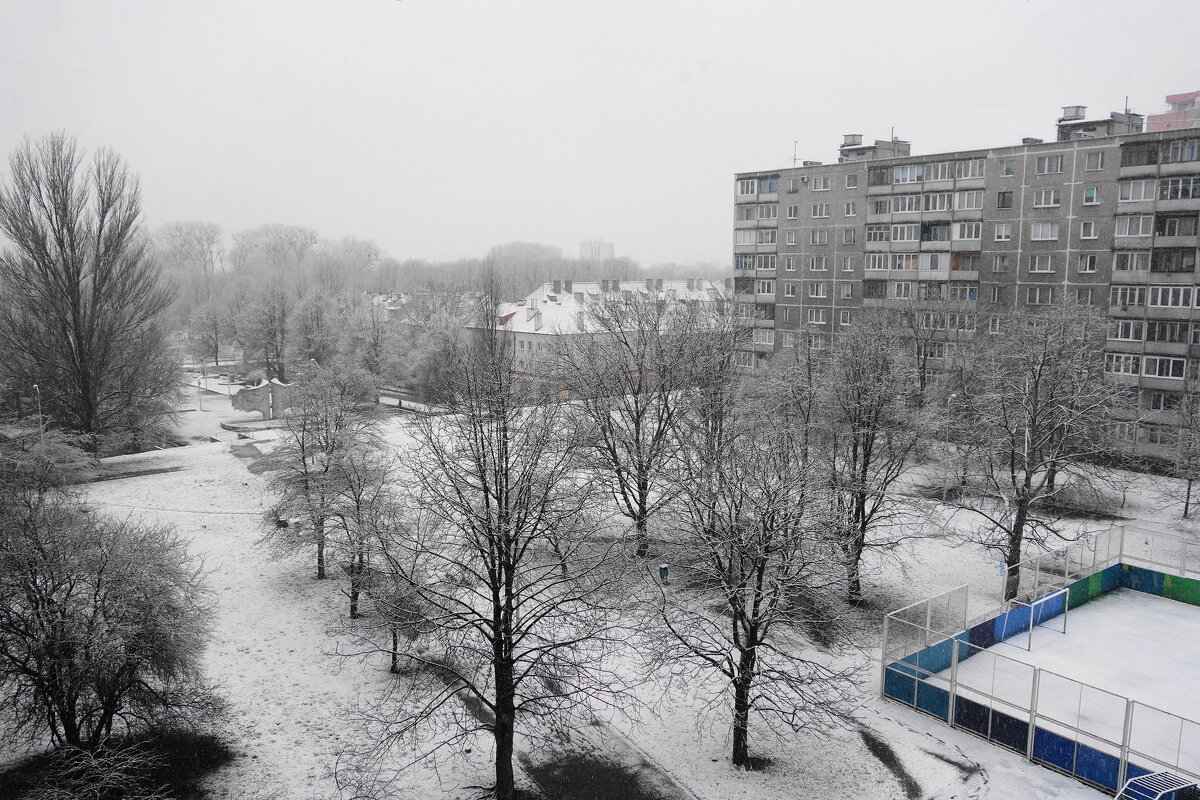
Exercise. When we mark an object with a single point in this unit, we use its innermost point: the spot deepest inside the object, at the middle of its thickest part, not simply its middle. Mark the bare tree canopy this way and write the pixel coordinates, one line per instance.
(82, 292)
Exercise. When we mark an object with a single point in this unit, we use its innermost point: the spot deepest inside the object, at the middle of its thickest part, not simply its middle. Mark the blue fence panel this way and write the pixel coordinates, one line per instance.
(1012, 622)
(1010, 731)
(1110, 578)
(933, 700)
(1057, 751)
(1099, 768)
(1142, 580)
(1051, 608)
(983, 635)
(971, 715)
(900, 686)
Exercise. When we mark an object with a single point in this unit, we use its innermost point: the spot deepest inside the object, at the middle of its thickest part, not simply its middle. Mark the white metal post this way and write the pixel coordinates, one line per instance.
(1033, 702)
(1125, 735)
(884, 658)
(953, 681)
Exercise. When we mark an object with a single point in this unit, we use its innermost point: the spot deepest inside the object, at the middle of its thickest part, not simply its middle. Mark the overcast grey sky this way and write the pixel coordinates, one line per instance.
(439, 128)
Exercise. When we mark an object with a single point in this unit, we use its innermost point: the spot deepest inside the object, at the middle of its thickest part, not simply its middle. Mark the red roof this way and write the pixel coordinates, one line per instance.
(1182, 98)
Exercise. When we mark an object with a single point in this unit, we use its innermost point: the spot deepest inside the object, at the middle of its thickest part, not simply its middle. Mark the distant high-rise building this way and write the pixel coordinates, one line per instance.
(595, 250)
(1184, 113)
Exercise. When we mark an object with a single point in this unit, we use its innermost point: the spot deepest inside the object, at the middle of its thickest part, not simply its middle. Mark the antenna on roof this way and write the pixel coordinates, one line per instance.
(795, 142)
(1126, 104)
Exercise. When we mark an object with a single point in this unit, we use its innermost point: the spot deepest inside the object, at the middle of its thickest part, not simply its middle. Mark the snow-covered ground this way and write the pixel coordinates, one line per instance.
(290, 694)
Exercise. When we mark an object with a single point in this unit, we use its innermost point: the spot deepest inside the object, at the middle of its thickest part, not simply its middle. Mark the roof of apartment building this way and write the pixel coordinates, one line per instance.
(558, 307)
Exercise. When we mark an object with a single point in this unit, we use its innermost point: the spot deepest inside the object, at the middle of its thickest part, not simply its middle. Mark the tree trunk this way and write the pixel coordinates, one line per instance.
(357, 567)
(395, 668)
(741, 709)
(319, 529)
(854, 551)
(1016, 535)
(643, 538)
(505, 725)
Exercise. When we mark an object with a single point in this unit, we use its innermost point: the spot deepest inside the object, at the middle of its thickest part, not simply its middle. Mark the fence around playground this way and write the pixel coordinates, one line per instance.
(936, 659)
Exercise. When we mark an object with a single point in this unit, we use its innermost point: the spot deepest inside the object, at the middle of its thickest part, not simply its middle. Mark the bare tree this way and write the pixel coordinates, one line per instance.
(82, 293)
(871, 430)
(102, 622)
(512, 636)
(626, 366)
(363, 512)
(1041, 419)
(332, 416)
(751, 505)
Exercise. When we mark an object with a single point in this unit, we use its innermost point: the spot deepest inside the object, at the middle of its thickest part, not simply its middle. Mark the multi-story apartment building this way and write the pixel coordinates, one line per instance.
(1184, 113)
(1101, 215)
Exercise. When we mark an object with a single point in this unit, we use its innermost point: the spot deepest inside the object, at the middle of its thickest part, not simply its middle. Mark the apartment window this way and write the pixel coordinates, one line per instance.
(1163, 367)
(789, 288)
(1131, 261)
(902, 290)
(1174, 332)
(764, 261)
(938, 201)
(789, 339)
(818, 291)
(745, 261)
(877, 261)
(1043, 231)
(963, 292)
(883, 206)
(846, 291)
(1004, 199)
(768, 185)
(747, 187)
(844, 318)
(1173, 260)
(935, 232)
(971, 168)
(1127, 296)
(1135, 191)
(1083, 295)
(789, 263)
(906, 261)
(960, 322)
(1164, 401)
(909, 173)
(1093, 160)
(850, 209)
(818, 263)
(1127, 330)
(965, 261)
(878, 176)
(997, 294)
(1039, 295)
(765, 287)
(1176, 225)
(764, 336)
(767, 236)
(793, 185)
(1179, 188)
(1003, 231)
(816, 316)
(791, 237)
(875, 289)
(745, 359)
(747, 213)
(818, 236)
(848, 235)
(1122, 363)
(820, 210)
(993, 324)
(1042, 262)
(1091, 195)
(851, 180)
(1048, 164)
(968, 230)
(933, 322)
(1181, 150)
(1008, 167)
(822, 183)
(906, 203)
(793, 212)
(935, 261)
(1001, 262)
(847, 263)
(745, 237)
(968, 201)
(770, 211)
(1045, 198)
(1087, 262)
(1139, 225)
(1087, 229)
(1171, 296)
(906, 233)
(940, 171)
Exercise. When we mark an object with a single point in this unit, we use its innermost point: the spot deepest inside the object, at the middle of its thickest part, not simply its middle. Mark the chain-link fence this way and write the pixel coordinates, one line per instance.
(938, 661)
